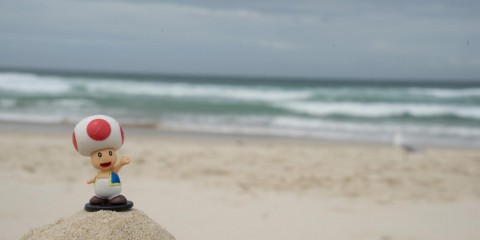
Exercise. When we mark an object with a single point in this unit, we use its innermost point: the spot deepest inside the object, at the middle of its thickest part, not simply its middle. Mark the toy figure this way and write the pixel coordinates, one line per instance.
(99, 137)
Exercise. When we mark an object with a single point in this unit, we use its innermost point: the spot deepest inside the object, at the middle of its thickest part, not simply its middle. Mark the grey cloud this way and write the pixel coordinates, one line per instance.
(407, 39)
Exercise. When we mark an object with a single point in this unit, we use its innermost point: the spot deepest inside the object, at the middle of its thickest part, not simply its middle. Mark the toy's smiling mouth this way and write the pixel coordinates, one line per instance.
(104, 165)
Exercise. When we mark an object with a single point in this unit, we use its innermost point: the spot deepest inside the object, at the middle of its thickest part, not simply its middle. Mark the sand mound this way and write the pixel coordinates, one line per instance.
(132, 224)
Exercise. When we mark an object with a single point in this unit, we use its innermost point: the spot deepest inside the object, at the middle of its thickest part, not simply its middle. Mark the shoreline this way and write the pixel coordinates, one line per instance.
(158, 131)
(259, 164)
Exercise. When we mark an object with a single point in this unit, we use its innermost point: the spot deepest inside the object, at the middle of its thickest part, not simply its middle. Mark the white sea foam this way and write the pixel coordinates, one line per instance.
(197, 91)
(325, 129)
(31, 117)
(229, 124)
(446, 93)
(70, 103)
(379, 109)
(309, 124)
(33, 84)
(7, 103)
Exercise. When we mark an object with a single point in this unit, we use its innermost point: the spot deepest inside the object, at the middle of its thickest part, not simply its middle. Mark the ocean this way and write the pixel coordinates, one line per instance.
(428, 112)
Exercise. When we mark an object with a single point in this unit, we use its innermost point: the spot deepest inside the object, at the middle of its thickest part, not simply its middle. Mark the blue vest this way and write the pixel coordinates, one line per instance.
(114, 178)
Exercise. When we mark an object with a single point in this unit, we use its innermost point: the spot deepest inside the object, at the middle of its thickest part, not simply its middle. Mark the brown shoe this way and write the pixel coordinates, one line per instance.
(118, 200)
(96, 200)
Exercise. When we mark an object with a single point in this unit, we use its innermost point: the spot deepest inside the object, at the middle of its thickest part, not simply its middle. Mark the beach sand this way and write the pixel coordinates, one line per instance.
(236, 187)
(132, 224)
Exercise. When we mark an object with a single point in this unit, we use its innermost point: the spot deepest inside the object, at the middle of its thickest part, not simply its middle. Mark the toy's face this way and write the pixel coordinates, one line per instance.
(104, 159)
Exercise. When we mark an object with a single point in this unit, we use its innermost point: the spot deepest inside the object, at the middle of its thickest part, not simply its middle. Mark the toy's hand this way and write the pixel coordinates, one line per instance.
(89, 181)
(125, 160)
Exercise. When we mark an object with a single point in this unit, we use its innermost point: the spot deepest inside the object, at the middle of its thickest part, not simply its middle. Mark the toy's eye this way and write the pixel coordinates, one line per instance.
(110, 153)
(99, 154)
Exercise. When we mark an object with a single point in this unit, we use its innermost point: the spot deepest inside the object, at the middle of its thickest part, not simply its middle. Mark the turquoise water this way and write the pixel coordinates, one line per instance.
(425, 112)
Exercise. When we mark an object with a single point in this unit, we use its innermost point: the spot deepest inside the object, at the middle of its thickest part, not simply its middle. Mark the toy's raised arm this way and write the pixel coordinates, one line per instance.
(124, 161)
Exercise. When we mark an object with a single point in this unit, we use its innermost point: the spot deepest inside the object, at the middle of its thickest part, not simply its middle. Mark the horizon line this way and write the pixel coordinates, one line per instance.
(150, 75)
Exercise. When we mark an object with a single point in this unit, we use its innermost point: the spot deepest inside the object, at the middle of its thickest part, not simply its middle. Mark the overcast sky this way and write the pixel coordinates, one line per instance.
(414, 39)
